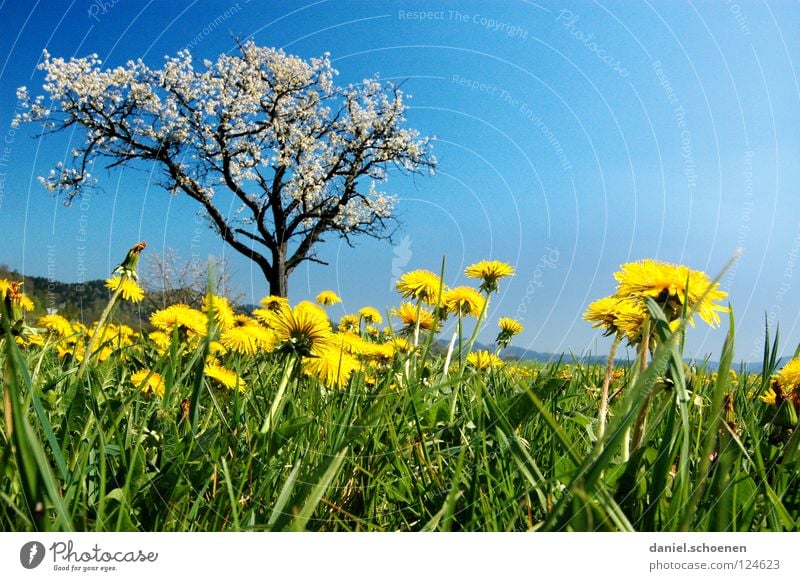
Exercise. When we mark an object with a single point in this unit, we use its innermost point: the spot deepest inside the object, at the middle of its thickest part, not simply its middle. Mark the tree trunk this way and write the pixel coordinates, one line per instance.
(278, 275)
(278, 284)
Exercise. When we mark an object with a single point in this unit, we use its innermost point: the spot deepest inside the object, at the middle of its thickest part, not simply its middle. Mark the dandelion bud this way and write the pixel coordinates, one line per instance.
(131, 262)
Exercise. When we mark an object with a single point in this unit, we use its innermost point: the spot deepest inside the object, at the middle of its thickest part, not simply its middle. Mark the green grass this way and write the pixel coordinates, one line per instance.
(477, 451)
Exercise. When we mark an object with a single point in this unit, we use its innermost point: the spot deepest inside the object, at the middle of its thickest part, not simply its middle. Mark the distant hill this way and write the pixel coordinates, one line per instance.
(76, 301)
(521, 354)
(85, 301)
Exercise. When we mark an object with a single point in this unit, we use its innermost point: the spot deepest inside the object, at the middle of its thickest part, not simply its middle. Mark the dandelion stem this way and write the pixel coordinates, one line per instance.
(277, 403)
(606, 382)
(641, 420)
(100, 331)
(644, 347)
(478, 325)
(416, 324)
(450, 347)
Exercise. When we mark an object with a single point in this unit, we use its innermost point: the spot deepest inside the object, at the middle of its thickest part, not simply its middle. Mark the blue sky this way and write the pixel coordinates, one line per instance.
(571, 137)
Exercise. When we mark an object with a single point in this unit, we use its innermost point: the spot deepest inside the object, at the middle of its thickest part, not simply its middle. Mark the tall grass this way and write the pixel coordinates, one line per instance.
(492, 450)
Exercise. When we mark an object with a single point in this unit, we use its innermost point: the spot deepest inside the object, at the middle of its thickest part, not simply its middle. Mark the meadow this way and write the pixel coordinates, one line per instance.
(283, 420)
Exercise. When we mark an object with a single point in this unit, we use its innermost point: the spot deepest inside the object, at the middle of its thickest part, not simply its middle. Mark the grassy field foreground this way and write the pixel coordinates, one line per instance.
(214, 421)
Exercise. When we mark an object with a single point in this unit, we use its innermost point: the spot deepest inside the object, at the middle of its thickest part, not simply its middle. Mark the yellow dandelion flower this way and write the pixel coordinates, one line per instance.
(508, 329)
(669, 285)
(331, 366)
(31, 340)
(25, 302)
(273, 306)
(66, 349)
(104, 353)
(707, 308)
(484, 360)
(57, 324)
(275, 303)
(400, 345)
(789, 376)
(510, 326)
(370, 315)
(220, 310)
(79, 329)
(380, 352)
(328, 297)
(216, 348)
(407, 313)
(617, 315)
(130, 289)
(224, 377)
(125, 331)
(630, 316)
(603, 313)
(489, 271)
(348, 324)
(769, 396)
(776, 394)
(421, 285)
(652, 278)
(12, 291)
(117, 335)
(161, 340)
(464, 300)
(149, 382)
(181, 317)
(247, 337)
(266, 317)
(240, 340)
(349, 343)
(518, 372)
(303, 329)
(372, 331)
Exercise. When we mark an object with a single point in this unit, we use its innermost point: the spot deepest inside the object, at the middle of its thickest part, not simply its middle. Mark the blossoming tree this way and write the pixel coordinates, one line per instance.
(275, 154)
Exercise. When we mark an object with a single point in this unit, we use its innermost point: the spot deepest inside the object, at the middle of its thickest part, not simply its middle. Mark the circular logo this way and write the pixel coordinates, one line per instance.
(31, 554)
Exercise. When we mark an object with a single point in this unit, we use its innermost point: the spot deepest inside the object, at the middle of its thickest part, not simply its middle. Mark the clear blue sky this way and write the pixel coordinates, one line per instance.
(572, 137)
